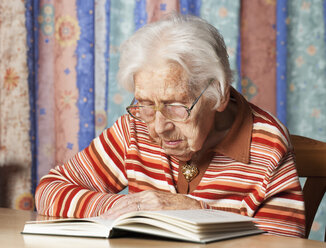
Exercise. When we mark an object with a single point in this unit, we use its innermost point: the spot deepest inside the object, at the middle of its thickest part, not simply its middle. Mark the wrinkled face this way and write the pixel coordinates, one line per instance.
(168, 84)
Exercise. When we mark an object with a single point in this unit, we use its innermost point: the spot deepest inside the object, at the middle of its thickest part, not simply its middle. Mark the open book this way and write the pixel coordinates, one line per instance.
(200, 225)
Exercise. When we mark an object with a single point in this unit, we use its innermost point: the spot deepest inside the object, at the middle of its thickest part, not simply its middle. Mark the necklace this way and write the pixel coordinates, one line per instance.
(189, 171)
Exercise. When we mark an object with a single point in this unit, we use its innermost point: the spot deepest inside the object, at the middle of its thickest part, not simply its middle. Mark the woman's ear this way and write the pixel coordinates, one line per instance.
(225, 101)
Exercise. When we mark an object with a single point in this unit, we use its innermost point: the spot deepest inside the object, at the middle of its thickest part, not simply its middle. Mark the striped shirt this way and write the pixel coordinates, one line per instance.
(251, 172)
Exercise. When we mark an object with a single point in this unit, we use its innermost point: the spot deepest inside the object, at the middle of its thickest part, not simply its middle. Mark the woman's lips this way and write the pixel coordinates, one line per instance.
(172, 143)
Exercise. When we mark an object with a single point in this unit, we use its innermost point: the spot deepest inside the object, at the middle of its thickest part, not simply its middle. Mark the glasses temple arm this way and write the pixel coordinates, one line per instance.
(197, 99)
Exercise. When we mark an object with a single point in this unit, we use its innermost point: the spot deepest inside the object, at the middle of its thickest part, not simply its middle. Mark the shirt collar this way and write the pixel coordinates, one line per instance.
(236, 143)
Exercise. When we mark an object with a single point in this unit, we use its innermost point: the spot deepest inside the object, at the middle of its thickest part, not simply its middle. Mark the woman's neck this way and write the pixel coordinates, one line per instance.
(223, 123)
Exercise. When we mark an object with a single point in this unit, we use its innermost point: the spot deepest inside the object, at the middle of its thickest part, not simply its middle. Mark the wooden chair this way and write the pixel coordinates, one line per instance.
(311, 163)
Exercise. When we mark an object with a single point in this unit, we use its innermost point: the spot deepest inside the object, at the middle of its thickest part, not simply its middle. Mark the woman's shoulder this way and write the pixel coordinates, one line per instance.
(269, 131)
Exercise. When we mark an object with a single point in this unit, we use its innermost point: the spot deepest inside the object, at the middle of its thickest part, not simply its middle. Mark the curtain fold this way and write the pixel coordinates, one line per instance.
(258, 62)
(281, 59)
(122, 25)
(191, 7)
(85, 70)
(154, 10)
(101, 70)
(32, 55)
(306, 67)
(15, 145)
(225, 16)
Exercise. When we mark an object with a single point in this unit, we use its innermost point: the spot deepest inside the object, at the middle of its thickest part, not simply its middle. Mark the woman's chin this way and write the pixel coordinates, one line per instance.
(181, 155)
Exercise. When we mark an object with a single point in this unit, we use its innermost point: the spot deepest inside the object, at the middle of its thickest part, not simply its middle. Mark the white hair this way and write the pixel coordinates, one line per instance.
(187, 40)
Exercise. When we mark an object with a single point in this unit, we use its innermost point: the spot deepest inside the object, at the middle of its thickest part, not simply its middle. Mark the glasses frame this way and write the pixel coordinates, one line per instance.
(158, 108)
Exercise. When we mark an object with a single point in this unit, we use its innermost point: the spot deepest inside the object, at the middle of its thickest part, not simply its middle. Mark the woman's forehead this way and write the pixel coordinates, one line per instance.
(166, 81)
(163, 92)
(170, 72)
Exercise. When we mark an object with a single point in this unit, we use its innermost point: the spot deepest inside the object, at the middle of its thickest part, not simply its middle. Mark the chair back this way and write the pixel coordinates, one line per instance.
(311, 163)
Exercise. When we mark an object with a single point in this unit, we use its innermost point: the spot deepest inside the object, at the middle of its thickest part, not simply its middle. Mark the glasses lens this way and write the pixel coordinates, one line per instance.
(143, 113)
(147, 113)
(175, 112)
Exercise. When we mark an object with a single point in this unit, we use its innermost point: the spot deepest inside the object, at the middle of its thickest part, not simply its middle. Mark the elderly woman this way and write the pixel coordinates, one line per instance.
(189, 141)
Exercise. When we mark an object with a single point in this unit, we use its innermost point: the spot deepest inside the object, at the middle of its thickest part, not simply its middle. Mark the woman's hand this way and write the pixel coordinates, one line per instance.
(151, 200)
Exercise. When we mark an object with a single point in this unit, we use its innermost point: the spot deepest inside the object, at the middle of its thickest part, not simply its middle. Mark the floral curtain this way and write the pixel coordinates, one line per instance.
(15, 143)
(59, 61)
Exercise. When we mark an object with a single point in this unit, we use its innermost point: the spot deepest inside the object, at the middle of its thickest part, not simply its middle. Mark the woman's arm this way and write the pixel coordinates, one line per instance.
(278, 205)
(282, 211)
(87, 184)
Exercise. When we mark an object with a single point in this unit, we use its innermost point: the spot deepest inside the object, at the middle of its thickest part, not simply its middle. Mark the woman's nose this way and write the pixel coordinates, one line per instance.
(162, 124)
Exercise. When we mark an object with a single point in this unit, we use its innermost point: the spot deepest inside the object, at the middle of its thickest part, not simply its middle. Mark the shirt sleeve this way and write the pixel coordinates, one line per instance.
(279, 207)
(87, 184)
(282, 211)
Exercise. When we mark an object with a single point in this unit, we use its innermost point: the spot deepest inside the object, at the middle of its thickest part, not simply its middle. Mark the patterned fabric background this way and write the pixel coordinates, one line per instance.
(15, 144)
(59, 61)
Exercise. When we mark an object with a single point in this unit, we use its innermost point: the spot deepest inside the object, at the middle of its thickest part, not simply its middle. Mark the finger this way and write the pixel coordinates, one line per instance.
(125, 204)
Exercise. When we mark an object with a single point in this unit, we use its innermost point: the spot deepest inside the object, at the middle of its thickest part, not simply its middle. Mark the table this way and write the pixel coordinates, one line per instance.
(12, 222)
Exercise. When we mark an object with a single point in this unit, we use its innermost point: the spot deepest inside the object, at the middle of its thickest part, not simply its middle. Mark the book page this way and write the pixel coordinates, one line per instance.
(192, 225)
(197, 216)
(86, 227)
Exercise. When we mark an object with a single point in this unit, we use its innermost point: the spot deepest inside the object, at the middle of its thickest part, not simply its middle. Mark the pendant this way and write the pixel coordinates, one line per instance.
(189, 171)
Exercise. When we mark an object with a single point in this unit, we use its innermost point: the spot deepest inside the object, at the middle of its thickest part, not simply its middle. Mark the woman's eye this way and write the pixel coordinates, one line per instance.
(145, 103)
(176, 104)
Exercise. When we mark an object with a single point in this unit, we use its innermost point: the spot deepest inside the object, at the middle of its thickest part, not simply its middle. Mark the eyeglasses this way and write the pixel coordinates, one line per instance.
(173, 112)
